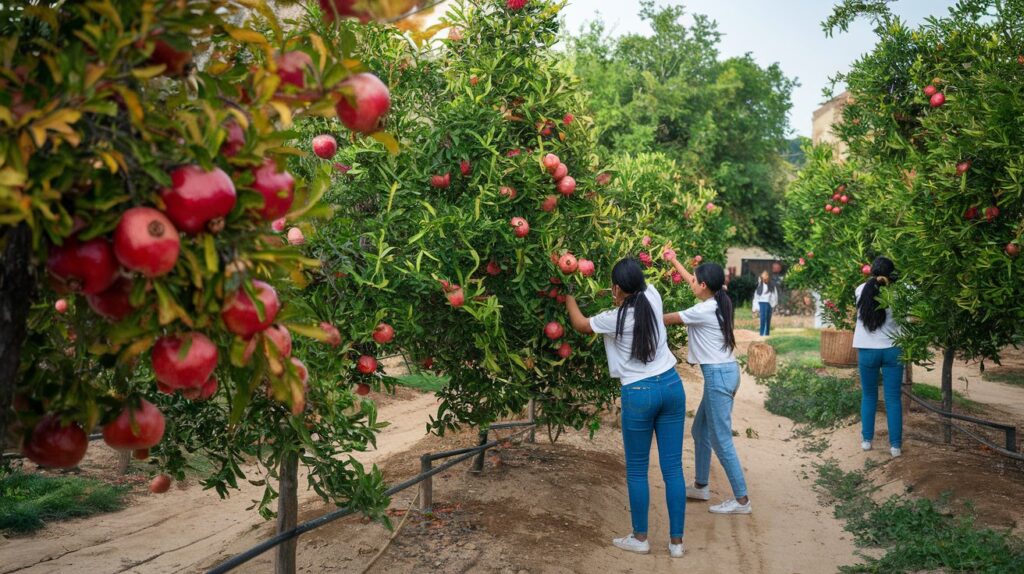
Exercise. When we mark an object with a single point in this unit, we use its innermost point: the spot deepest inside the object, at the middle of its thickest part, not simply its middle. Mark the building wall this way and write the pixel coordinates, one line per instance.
(824, 118)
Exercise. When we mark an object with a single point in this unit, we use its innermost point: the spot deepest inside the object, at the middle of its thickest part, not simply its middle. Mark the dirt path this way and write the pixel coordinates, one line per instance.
(183, 530)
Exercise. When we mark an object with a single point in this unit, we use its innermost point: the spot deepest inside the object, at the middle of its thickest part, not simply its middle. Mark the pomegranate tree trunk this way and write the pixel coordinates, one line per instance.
(124, 460)
(16, 287)
(287, 511)
(947, 391)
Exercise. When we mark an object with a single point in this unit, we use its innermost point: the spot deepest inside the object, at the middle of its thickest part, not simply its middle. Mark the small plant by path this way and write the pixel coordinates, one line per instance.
(805, 396)
(934, 394)
(1005, 377)
(423, 381)
(916, 534)
(29, 501)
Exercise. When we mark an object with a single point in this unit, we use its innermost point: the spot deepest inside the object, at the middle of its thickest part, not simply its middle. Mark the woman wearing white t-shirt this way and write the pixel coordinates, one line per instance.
(653, 401)
(873, 338)
(709, 329)
(766, 297)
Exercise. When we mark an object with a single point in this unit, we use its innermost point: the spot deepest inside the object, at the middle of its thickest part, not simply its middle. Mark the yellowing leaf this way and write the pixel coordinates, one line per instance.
(93, 73)
(132, 102)
(11, 178)
(284, 112)
(147, 72)
(246, 35)
(388, 140)
(321, 49)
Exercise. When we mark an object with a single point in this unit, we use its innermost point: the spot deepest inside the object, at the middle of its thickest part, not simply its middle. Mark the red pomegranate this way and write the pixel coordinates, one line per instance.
(836, 196)
(366, 365)
(135, 428)
(971, 213)
(344, 9)
(676, 277)
(291, 68)
(865, 269)
(146, 241)
(325, 146)
(456, 298)
(160, 484)
(56, 445)
(177, 61)
(560, 172)
(837, 210)
(493, 269)
(61, 306)
(383, 333)
(566, 185)
(554, 330)
(844, 199)
(550, 203)
(519, 226)
(113, 304)
(586, 267)
(441, 181)
(930, 90)
(277, 189)
(991, 213)
(937, 100)
(198, 200)
(551, 162)
(365, 99)
(465, 168)
(235, 140)
(240, 314)
(564, 350)
(202, 393)
(301, 370)
(567, 263)
(362, 389)
(331, 335)
(962, 167)
(1012, 249)
(280, 338)
(83, 266)
(174, 371)
(508, 192)
(568, 119)
(604, 178)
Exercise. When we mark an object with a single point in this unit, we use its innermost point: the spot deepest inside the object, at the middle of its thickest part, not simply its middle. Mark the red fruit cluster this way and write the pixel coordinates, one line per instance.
(441, 181)
(55, 444)
(520, 227)
(365, 99)
(645, 258)
(515, 4)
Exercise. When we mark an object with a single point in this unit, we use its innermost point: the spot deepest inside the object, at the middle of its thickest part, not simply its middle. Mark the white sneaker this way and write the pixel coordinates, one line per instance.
(896, 451)
(694, 493)
(731, 507)
(675, 550)
(631, 544)
(865, 445)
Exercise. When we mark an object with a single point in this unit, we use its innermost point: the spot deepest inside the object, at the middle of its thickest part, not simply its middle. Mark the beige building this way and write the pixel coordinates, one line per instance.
(829, 114)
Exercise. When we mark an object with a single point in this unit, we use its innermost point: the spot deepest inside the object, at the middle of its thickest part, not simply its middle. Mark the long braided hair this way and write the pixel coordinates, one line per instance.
(629, 276)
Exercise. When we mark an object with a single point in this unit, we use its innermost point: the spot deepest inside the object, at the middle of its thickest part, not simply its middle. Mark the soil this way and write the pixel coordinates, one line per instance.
(544, 507)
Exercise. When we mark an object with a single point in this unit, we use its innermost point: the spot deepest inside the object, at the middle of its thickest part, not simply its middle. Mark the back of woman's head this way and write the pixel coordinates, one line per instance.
(629, 276)
(713, 276)
(883, 274)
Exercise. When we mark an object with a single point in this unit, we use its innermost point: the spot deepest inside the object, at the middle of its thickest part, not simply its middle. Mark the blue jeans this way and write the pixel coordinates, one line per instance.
(765, 311)
(869, 362)
(655, 405)
(712, 426)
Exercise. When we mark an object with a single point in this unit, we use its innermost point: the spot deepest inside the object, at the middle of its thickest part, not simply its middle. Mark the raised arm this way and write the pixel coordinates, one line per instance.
(672, 319)
(576, 317)
(670, 255)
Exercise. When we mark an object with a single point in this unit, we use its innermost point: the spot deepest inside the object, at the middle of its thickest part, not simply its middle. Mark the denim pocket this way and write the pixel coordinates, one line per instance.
(636, 398)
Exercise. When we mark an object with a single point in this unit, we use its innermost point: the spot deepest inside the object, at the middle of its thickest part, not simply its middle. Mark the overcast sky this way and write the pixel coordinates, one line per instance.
(784, 31)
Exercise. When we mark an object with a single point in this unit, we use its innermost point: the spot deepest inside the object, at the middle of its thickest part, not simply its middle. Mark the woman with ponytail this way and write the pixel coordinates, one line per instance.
(653, 402)
(873, 338)
(709, 327)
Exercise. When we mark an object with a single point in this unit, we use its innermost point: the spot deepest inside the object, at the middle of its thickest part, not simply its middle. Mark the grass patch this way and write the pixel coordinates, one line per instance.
(930, 393)
(1005, 377)
(423, 381)
(796, 342)
(801, 394)
(29, 501)
(916, 534)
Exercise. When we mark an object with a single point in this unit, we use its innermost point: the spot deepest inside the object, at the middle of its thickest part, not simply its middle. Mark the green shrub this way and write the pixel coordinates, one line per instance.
(28, 501)
(741, 289)
(801, 394)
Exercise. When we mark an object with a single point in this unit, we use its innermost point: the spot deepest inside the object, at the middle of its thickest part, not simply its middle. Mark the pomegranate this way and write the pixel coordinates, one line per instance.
(801, 261)
(554, 330)
(586, 267)
(241, 316)
(836, 196)
(61, 306)
(383, 333)
(176, 61)
(837, 210)
(367, 365)
(325, 146)
(930, 90)
(1012, 249)
(551, 162)
(646, 240)
(278, 224)
(568, 119)
(645, 258)
(710, 207)
(235, 140)
(493, 269)
(54, 444)
(295, 236)
(865, 269)
(202, 393)
(508, 192)
(844, 199)
(560, 172)
(962, 167)
(473, 80)
(198, 200)
(331, 335)
(291, 68)
(427, 363)
(160, 484)
(971, 213)
(300, 370)
(564, 350)
(83, 266)
(455, 34)
(342, 8)
(991, 213)
(277, 189)
(362, 389)
(133, 429)
(550, 203)
(515, 4)
(676, 277)
(280, 338)
(828, 207)
(370, 100)
(146, 241)
(342, 167)
(568, 264)
(441, 181)
(668, 254)
(175, 371)
(604, 178)
(456, 298)
(810, 255)
(566, 185)
(113, 304)
(937, 100)
(520, 226)
(465, 168)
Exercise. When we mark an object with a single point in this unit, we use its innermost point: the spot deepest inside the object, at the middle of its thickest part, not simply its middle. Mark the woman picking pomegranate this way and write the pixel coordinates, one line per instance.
(653, 401)
(709, 326)
(873, 338)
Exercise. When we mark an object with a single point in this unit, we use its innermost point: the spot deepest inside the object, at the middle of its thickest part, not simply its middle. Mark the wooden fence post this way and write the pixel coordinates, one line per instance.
(532, 416)
(287, 512)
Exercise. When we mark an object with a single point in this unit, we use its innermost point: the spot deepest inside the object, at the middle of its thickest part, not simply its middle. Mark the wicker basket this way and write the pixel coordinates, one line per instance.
(837, 348)
(761, 360)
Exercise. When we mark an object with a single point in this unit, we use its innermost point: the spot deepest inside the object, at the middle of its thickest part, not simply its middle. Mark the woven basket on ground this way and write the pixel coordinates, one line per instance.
(761, 360)
(837, 348)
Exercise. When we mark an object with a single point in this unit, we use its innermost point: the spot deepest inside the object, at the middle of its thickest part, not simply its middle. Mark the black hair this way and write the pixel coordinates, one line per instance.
(761, 285)
(712, 275)
(629, 276)
(883, 272)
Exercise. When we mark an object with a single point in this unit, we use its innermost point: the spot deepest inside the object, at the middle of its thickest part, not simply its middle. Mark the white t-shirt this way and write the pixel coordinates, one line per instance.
(706, 343)
(770, 296)
(882, 338)
(621, 366)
